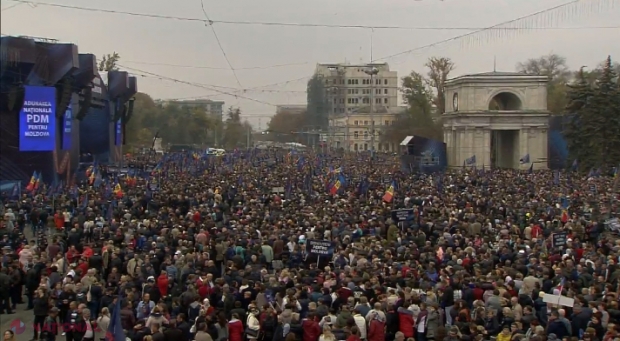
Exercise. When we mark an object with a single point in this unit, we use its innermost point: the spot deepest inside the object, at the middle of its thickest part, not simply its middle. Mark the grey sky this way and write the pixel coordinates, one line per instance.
(142, 40)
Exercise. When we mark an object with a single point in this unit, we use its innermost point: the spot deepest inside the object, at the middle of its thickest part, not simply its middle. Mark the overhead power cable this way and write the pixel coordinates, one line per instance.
(218, 68)
(316, 25)
(219, 43)
(198, 85)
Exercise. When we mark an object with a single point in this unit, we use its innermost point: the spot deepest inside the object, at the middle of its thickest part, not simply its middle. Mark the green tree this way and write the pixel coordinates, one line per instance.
(592, 134)
(318, 106)
(606, 104)
(554, 67)
(175, 122)
(234, 134)
(283, 124)
(417, 119)
(109, 61)
(581, 127)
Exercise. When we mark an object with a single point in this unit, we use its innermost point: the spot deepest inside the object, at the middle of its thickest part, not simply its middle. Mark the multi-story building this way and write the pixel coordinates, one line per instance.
(357, 96)
(353, 131)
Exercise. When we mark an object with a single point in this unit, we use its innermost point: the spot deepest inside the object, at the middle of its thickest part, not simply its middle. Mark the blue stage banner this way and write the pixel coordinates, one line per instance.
(119, 133)
(67, 123)
(37, 120)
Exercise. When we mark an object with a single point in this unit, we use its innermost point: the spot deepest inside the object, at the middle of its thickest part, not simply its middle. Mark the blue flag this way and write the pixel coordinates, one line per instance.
(115, 330)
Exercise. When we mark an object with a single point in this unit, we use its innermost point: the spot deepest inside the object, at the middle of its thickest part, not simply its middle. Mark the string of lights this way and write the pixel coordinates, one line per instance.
(526, 22)
(315, 25)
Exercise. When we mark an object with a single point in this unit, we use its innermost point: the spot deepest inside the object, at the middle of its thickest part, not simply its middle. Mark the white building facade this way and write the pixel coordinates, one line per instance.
(498, 118)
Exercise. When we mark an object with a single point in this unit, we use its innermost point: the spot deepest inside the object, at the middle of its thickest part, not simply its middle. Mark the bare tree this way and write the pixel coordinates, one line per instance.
(552, 65)
(439, 69)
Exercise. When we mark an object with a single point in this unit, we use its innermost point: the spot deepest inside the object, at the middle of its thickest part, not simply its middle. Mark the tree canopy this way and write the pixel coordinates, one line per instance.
(317, 114)
(108, 62)
(593, 106)
(425, 100)
(179, 123)
(283, 125)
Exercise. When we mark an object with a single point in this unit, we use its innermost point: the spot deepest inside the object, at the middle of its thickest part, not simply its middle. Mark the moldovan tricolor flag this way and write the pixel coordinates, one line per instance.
(38, 181)
(335, 187)
(389, 194)
(564, 217)
(118, 191)
(33, 181)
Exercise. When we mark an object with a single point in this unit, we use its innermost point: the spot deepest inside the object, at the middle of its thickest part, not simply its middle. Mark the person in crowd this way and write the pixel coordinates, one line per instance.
(200, 247)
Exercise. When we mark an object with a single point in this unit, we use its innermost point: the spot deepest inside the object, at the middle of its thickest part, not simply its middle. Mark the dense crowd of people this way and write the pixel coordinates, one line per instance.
(224, 249)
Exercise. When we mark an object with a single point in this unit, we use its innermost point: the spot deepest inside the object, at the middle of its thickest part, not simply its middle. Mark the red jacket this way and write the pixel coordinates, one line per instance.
(312, 330)
(235, 331)
(376, 331)
(162, 284)
(406, 323)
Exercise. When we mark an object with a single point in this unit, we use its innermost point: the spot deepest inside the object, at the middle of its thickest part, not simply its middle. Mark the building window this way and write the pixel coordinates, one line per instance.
(377, 100)
(387, 123)
(366, 100)
(349, 81)
(355, 147)
(366, 135)
(356, 122)
(385, 92)
(377, 81)
(385, 101)
(356, 135)
(365, 146)
(377, 91)
(365, 123)
(385, 81)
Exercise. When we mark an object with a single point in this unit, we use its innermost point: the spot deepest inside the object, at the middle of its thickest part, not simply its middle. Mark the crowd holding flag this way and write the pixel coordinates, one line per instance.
(470, 161)
(115, 330)
(389, 193)
(33, 181)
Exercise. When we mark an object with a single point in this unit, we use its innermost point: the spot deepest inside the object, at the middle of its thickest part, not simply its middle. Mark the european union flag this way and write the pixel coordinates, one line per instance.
(115, 330)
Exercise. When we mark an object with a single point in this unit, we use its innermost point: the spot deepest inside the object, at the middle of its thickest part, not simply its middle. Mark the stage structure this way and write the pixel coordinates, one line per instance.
(46, 90)
(422, 155)
(496, 119)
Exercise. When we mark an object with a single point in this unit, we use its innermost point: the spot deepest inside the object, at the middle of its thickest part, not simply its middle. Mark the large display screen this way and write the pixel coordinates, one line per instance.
(67, 123)
(37, 120)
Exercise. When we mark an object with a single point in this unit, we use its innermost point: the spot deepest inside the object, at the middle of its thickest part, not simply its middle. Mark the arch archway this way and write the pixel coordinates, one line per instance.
(505, 101)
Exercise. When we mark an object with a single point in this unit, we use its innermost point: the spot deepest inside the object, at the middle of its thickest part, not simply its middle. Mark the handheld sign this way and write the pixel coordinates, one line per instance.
(319, 248)
(558, 239)
(403, 214)
(277, 190)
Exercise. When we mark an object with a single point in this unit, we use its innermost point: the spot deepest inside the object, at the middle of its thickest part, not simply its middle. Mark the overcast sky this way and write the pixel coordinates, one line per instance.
(146, 43)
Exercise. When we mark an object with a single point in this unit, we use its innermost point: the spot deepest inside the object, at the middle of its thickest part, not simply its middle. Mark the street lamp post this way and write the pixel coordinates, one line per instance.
(372, 72)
